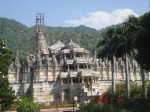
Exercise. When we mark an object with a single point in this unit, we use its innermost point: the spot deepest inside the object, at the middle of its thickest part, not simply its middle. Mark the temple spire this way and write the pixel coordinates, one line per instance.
(41, 37)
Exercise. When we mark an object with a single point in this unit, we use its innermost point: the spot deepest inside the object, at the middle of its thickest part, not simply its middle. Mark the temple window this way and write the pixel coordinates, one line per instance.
(68, 55)
(75, 80)
(71, 66)
(66, 91)
(77, 55)
(81, 66)
(89, 66)
(69, 81)
(65, 81)
(80, 80)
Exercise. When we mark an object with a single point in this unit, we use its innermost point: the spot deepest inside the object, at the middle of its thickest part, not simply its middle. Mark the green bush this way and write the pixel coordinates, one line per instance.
(98, 108)
(27, 105)
(135, 91)
(6, 94)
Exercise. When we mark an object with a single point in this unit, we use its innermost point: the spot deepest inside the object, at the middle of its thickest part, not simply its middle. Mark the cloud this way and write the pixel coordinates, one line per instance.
(101, 19)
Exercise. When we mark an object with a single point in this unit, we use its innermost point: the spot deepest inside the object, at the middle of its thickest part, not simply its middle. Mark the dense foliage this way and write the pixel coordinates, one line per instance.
(142, 41)
(97, 108)
(135, 91)
(132, 40)
(5, 58)
(6, 94)
(20, 38)
(136, 102)
(27, 105)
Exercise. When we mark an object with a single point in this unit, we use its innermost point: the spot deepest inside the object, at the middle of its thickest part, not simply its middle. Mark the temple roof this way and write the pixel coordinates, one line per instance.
(57, 45)
(71, 45)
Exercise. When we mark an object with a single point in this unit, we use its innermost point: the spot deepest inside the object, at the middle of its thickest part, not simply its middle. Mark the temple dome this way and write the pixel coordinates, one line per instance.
(71, 45)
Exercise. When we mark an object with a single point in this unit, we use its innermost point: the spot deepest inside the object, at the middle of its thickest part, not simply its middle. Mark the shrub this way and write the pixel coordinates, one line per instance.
(27, 105)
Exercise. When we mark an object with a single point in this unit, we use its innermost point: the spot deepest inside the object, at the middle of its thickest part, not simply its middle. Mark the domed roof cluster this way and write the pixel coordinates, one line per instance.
(71, 45)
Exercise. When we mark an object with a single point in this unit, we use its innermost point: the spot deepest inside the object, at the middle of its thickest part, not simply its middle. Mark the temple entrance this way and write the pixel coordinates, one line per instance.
(86, 82)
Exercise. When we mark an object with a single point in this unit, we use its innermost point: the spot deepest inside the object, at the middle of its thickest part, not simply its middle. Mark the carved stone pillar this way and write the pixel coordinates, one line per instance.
(62, 81)
(77, 66)
(71, 81)
(82, 79)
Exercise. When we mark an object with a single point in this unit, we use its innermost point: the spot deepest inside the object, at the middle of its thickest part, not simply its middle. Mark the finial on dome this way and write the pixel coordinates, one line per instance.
(17, 55)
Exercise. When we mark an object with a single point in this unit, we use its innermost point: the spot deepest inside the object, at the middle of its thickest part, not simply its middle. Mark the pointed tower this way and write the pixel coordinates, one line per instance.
(41, 36)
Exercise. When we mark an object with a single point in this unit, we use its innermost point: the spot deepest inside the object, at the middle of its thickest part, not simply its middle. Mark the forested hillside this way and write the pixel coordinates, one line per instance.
(19, 37)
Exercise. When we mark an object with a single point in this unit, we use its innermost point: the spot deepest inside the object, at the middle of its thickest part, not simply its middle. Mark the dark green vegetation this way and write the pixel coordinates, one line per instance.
(127, 42)
(6, 94)
(142, 43)
(27, 105)
(136, 103)
(20, 38)
(5, 58)
(91, 107)
(131, 39)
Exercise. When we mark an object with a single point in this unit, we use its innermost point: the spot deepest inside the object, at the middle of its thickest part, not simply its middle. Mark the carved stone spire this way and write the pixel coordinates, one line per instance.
(41, 38)
(17, 63)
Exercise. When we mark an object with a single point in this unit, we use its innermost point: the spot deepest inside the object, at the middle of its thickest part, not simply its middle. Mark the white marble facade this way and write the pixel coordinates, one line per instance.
(59, 72)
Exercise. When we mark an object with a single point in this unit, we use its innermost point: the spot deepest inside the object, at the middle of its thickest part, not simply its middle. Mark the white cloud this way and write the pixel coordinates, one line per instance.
(102, 19)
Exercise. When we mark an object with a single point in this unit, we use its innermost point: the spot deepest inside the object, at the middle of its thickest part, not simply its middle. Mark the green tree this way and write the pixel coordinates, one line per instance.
(27, 105)
(108, 49)
(135, 29)
(126, 46)
(142, 42)
(6, 94)
(5, 58)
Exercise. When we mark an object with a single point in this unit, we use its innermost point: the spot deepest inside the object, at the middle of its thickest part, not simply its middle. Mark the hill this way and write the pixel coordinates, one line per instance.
(20, 38)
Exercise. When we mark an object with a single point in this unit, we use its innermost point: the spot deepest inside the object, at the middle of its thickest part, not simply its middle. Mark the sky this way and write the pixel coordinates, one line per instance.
(96, 14)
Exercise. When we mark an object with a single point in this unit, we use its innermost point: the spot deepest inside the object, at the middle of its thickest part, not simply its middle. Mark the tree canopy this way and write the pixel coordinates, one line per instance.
(143, 41)
(5, 58)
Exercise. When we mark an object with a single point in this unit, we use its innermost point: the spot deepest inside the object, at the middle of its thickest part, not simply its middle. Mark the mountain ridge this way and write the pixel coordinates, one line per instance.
(20, 38)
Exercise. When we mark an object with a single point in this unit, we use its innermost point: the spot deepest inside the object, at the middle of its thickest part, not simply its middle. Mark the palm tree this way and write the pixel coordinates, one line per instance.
(142, 46)
(108, 46)
(126, 46)
(138, 28)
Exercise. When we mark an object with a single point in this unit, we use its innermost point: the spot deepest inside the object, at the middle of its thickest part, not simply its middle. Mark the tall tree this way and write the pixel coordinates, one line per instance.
(126, 46)
(108, 46)
(137, 28)
(142, 42)
(6, 92)
(5, 58)
(142, 46)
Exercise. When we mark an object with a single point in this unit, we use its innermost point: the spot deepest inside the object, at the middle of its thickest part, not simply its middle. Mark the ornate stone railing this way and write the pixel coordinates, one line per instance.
(64, 74)
(69, 61)
(81, 60)
(78, 50)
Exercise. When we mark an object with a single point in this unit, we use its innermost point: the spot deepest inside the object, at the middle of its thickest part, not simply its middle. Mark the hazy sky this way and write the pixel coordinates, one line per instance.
(93, 13)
